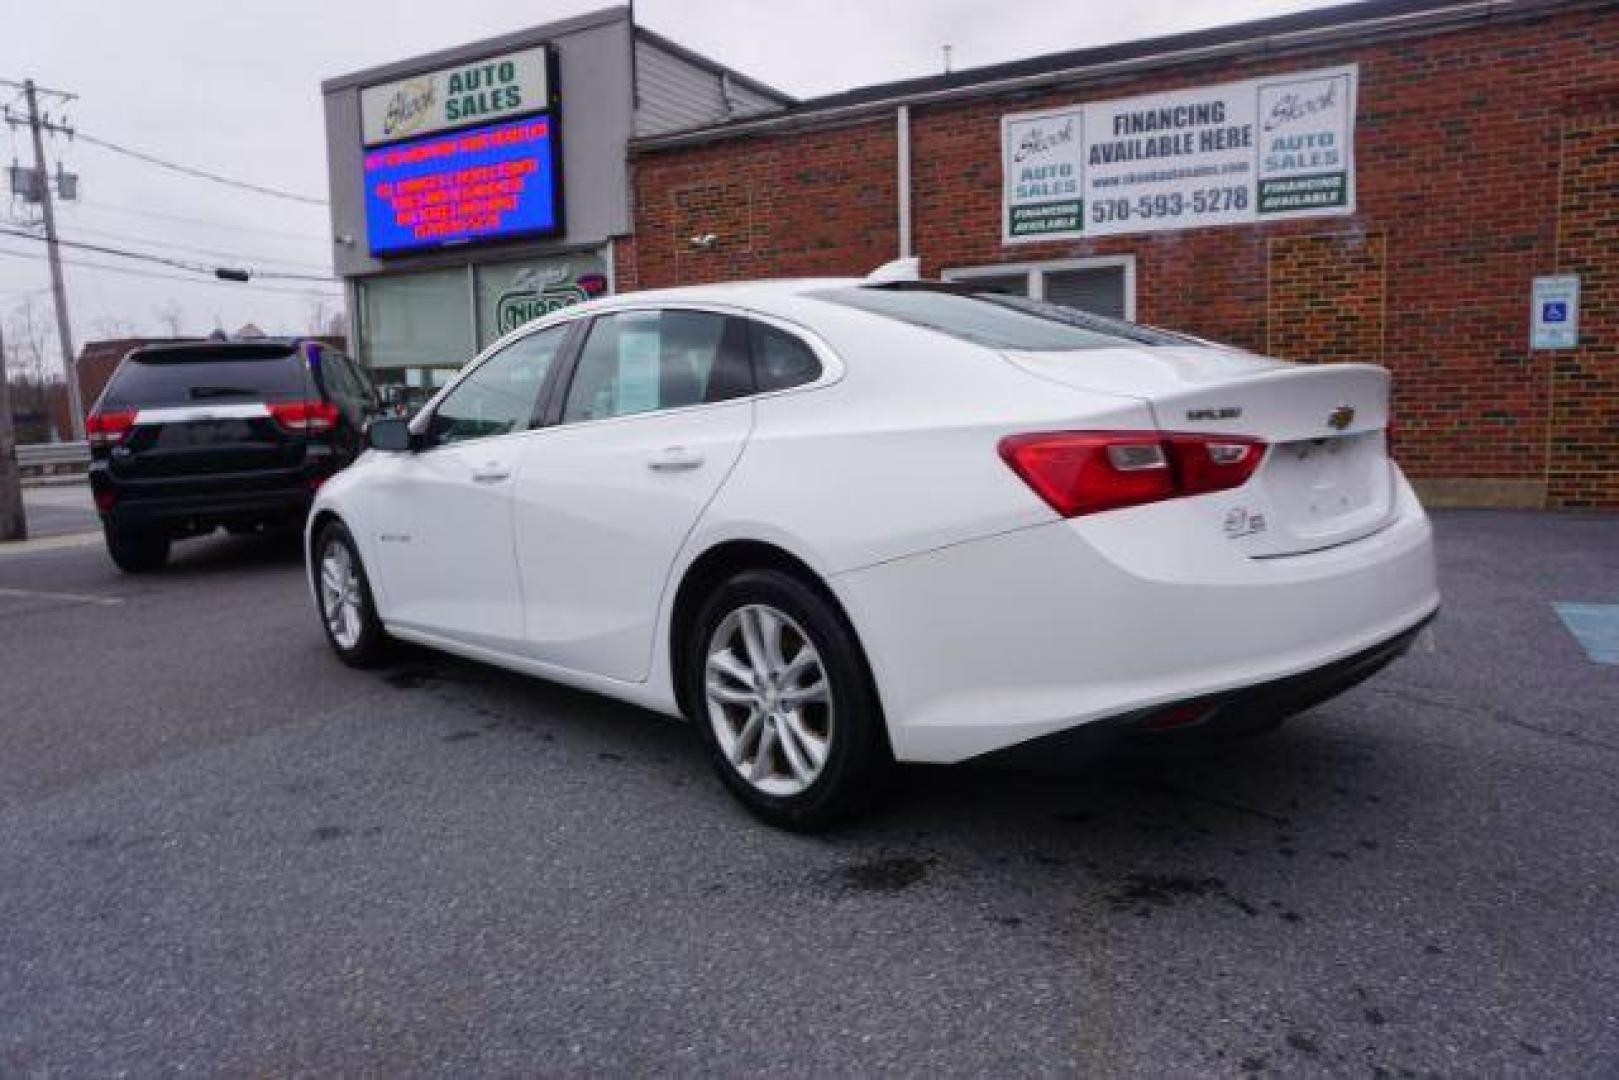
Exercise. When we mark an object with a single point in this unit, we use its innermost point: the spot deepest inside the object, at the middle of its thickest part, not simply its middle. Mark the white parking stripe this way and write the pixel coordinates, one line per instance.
(77, 598)
(49, 543)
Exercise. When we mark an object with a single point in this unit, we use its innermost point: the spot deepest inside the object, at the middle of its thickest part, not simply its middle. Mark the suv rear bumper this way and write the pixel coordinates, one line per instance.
(193, 505)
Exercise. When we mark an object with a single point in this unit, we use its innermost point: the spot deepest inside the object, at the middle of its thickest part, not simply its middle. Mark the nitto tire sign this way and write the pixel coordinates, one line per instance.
(1235, 154)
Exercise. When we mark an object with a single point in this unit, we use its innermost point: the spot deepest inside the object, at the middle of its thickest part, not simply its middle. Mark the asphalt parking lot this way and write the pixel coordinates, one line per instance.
(222, 852)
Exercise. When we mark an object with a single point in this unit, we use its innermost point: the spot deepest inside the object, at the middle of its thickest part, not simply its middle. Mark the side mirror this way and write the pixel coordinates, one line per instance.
(390, 434)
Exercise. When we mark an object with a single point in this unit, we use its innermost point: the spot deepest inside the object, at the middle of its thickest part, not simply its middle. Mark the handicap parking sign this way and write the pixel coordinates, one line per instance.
(1554, 317)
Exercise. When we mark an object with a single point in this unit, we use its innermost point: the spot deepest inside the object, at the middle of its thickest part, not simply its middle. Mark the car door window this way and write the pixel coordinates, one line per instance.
(339, 382)
(781, 360)
(356, 383)
(641, 361)
(501, 394)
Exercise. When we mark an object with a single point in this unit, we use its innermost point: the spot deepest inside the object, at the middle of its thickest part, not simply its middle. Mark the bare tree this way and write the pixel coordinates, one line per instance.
(171, 316)
(29, 337)
(29, 341)
(324, 317)
(110, 327)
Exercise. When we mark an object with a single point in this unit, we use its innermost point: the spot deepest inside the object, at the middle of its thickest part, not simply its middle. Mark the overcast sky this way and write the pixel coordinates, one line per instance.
(234, 88)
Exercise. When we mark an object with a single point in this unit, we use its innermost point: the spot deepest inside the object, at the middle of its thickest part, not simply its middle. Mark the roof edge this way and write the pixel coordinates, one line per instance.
(1343, 23)
(474, 50)
(691, 56)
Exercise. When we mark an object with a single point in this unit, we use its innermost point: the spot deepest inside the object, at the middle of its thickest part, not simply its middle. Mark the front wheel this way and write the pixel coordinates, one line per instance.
(785, 703)
(347, 611)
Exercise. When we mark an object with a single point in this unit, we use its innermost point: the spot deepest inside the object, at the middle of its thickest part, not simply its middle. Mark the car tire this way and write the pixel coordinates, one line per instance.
(343, 600)
(798, 757)
(136, 552)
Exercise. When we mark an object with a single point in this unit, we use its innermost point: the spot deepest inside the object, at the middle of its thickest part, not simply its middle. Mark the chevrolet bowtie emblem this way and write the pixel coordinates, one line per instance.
(1341, 417)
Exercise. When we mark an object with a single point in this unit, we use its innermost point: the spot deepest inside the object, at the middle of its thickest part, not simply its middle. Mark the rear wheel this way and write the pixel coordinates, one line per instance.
(136, 552)
(784, 702)
(347, 611)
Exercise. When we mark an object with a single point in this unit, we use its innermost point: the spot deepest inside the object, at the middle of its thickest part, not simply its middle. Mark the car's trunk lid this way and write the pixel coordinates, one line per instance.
(1326, 478)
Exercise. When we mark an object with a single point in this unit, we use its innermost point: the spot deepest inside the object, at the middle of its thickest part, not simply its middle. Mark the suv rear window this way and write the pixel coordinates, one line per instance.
(996, 320)
(161, 378)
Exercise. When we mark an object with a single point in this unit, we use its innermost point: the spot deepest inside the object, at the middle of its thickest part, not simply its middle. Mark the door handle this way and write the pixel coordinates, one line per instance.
(492, 473)
(674, 459)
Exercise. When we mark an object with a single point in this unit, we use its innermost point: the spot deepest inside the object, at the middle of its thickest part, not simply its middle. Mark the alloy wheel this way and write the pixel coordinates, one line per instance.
(340, 599)
(769, 702)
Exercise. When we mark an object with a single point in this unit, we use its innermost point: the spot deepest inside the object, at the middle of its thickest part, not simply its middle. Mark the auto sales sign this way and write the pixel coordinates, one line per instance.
(465, 95)
(1234, 154)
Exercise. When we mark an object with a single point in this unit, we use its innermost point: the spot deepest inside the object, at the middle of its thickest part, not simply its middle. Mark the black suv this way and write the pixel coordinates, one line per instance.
(236, 434)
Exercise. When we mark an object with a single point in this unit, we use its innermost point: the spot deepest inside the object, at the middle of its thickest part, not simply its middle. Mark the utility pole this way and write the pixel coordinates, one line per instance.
(13, 519)
(64, 329)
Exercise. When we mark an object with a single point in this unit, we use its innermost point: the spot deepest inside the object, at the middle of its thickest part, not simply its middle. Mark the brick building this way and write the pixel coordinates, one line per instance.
(1483, 153)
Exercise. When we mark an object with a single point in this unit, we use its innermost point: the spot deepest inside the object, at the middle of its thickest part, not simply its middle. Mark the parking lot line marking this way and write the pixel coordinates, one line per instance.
(49, 543)
(76, 598)
(1595, 627)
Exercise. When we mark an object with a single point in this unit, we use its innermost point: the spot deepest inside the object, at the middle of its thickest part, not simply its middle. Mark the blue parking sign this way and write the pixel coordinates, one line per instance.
(1554, 315)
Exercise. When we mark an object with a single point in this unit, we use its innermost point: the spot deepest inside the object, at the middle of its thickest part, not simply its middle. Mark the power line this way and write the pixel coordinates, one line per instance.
(201, 174)
(62, 94)
(259, 257)
(158, 276)
(182, 264)
(206, 222)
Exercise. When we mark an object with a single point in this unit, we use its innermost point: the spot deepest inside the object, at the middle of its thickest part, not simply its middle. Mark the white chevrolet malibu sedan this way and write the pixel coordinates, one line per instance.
(843, 523)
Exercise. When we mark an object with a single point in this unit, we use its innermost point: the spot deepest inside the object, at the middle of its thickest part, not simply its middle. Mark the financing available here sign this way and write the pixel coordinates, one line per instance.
(1234, 154)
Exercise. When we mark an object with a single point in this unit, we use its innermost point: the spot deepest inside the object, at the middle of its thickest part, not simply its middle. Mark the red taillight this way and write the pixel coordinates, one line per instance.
(1084, 472)
(105, 499)
(108, 428)
(304, 416)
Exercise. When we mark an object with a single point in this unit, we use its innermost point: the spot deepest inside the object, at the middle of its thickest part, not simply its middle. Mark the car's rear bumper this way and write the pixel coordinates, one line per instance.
(985, 645)
(197, 504)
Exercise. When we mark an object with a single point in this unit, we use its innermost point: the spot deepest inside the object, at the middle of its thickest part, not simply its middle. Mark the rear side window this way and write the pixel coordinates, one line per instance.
(643, 361)
(781, 360)
(997, 320)
(172, 377)
(344, 382)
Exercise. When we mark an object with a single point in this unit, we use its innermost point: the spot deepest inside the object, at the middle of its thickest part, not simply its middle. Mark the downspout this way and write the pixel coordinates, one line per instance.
(903, 152)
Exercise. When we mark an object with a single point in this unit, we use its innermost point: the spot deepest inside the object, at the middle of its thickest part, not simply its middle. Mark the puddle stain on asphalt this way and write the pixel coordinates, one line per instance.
(411, 678)
(1141, 892)
(886, 875)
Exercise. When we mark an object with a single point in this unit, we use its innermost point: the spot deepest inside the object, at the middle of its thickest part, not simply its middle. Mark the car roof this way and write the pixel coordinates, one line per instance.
(762, 294)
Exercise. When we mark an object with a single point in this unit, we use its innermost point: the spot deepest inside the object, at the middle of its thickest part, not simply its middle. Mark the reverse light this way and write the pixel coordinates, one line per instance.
(304, 416)
(108, 428)
(1085, 472)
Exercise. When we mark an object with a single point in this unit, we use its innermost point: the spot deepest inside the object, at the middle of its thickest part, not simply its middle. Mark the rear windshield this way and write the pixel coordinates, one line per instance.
(997, 320)
(170, 377)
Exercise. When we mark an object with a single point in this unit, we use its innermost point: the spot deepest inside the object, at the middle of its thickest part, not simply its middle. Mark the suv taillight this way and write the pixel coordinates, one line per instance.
(1085, 472)
(108, 428)
(304, 416)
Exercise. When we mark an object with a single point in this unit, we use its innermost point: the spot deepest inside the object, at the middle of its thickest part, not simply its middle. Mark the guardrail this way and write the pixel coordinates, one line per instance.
(52, 459)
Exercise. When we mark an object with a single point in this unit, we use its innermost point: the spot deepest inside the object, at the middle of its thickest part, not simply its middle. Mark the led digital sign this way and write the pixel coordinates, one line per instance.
(481, 183)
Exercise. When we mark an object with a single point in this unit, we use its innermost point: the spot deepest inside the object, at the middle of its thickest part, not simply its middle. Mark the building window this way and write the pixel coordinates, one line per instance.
(1104, 285)
(416, 321)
